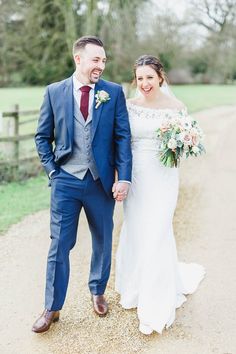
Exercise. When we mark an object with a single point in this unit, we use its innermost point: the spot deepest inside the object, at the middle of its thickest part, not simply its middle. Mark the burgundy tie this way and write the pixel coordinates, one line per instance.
(84, 101)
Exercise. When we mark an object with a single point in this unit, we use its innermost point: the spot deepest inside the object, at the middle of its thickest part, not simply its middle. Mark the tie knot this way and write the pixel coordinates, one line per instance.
(85, 88)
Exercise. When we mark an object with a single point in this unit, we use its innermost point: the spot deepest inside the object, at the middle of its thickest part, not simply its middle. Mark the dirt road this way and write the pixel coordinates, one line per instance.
(205, 229)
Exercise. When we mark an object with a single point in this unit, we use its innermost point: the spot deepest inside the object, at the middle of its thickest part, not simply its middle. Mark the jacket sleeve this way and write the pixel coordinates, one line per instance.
(44, 136)
(123, 156)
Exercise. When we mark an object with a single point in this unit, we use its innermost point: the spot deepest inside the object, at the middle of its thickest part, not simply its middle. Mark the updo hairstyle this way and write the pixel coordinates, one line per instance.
(154, 63)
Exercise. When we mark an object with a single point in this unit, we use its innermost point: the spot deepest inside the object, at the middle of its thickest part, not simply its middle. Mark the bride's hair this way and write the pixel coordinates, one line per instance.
(154, 63)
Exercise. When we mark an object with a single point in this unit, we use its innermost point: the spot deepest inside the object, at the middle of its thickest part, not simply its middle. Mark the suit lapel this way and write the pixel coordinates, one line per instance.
(69, 106)
(96, 111)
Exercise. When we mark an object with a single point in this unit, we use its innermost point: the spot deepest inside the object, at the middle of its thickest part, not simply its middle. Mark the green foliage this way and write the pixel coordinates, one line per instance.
(198, 65)
(20, 199)
(26, 169)
(46, 54)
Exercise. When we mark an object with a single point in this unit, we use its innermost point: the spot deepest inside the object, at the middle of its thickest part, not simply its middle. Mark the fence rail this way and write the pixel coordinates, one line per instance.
(13, 137)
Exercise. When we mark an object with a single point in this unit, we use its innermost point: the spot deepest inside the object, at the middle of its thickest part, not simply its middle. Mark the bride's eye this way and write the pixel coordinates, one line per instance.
(140, 78)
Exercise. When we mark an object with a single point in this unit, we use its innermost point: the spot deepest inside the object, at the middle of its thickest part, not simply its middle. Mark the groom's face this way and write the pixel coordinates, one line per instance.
(90, 63)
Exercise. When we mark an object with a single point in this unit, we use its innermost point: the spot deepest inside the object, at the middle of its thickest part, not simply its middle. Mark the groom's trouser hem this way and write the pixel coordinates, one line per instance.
(97, 290)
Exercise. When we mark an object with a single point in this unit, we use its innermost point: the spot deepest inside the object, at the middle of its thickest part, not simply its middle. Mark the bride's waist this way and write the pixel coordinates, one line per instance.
(145, 146)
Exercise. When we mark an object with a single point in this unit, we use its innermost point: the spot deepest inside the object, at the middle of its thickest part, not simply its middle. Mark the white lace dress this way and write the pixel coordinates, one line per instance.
(148, 274)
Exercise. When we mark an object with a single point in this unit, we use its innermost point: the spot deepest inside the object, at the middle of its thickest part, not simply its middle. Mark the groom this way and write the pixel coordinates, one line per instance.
(86, 119)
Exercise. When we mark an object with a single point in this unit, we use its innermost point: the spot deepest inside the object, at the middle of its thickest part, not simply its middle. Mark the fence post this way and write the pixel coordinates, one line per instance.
(16, 133)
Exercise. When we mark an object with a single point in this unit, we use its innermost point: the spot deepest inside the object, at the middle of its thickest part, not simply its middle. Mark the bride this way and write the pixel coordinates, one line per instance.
(148, 274)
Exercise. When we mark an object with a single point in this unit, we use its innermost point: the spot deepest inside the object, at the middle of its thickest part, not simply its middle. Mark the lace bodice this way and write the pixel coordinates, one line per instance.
(145, 121)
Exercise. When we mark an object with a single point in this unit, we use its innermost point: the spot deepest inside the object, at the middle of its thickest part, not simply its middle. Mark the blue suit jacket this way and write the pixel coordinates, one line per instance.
(110, 131)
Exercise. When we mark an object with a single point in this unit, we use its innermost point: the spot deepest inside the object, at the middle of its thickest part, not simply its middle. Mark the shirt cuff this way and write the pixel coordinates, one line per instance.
(122, 181)
(51, 173)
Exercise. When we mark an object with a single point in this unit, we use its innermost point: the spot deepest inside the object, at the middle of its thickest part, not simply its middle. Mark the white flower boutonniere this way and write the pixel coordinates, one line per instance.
(101, 97)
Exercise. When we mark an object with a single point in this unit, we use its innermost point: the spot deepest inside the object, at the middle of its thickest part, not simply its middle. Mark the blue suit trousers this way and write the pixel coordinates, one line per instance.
(68, 195)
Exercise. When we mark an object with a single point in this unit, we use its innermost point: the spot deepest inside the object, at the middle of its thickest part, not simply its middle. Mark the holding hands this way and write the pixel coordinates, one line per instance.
(120, 190)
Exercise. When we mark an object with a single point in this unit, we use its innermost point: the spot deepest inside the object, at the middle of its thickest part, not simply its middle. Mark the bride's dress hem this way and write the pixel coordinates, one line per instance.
(145, 327)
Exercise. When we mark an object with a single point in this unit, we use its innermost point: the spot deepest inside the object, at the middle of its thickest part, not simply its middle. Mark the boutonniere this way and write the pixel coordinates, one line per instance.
(101, 97)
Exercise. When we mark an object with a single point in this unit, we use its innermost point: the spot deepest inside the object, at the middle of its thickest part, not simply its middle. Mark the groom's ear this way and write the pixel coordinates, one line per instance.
(77, 58)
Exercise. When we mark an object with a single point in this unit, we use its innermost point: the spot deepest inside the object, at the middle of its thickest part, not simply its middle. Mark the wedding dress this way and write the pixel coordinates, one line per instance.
(148, 274)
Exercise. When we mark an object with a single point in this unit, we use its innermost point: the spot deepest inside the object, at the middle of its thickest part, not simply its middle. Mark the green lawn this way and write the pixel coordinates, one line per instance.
(20, 199)
(198, 97)
(26, 97)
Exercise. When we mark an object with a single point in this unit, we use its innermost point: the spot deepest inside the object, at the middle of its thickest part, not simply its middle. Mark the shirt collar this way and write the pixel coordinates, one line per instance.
(77, 84)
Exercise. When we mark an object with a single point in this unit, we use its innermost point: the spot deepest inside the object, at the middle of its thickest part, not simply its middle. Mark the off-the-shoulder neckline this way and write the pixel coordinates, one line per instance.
(157, 109)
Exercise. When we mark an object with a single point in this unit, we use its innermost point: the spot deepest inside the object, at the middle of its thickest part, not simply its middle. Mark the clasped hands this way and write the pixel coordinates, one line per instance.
(120, 190)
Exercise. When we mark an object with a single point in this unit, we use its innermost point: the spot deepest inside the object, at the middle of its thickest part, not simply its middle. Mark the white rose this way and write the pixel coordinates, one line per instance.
(186, 123)
(103, 95)
(172, 144)
(181, 137)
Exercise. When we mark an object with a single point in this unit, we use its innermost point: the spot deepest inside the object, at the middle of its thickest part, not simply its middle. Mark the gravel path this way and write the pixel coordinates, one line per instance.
(205, 231)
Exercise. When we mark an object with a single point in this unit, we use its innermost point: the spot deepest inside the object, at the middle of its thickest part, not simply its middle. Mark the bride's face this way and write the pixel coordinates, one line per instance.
(148, 81)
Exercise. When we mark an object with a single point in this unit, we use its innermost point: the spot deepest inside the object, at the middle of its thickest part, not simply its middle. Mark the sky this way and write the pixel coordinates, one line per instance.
(178, 6)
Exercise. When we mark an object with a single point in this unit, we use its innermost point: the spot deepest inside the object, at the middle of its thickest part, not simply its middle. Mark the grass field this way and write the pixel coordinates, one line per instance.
(26, 97)
(20, 199)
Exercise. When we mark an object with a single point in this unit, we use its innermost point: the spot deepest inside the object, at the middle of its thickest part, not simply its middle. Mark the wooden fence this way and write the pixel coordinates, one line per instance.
(11, 136)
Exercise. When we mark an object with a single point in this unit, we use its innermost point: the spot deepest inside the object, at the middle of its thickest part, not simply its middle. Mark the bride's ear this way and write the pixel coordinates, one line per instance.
(161, 79)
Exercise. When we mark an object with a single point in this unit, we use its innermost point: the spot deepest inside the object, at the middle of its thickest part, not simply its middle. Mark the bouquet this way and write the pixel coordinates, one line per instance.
(180, 137)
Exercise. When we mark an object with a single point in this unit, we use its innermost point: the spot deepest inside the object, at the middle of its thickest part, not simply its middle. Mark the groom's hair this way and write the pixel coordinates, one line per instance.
(83, 41)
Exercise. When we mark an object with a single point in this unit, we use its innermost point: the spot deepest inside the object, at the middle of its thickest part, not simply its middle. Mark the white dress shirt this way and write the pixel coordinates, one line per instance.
(77, 93)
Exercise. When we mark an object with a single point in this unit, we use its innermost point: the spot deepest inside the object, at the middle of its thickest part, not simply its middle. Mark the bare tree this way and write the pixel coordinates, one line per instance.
(214, 15)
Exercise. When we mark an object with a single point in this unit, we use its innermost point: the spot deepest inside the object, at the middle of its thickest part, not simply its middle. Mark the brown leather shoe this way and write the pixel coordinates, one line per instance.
(100, 305)
(44, 322)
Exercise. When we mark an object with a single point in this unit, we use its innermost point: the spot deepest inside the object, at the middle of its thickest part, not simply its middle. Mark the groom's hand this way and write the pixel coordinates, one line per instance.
(120, 190)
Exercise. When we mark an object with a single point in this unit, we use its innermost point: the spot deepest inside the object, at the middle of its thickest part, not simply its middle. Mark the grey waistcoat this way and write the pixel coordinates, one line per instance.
(81, 159)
